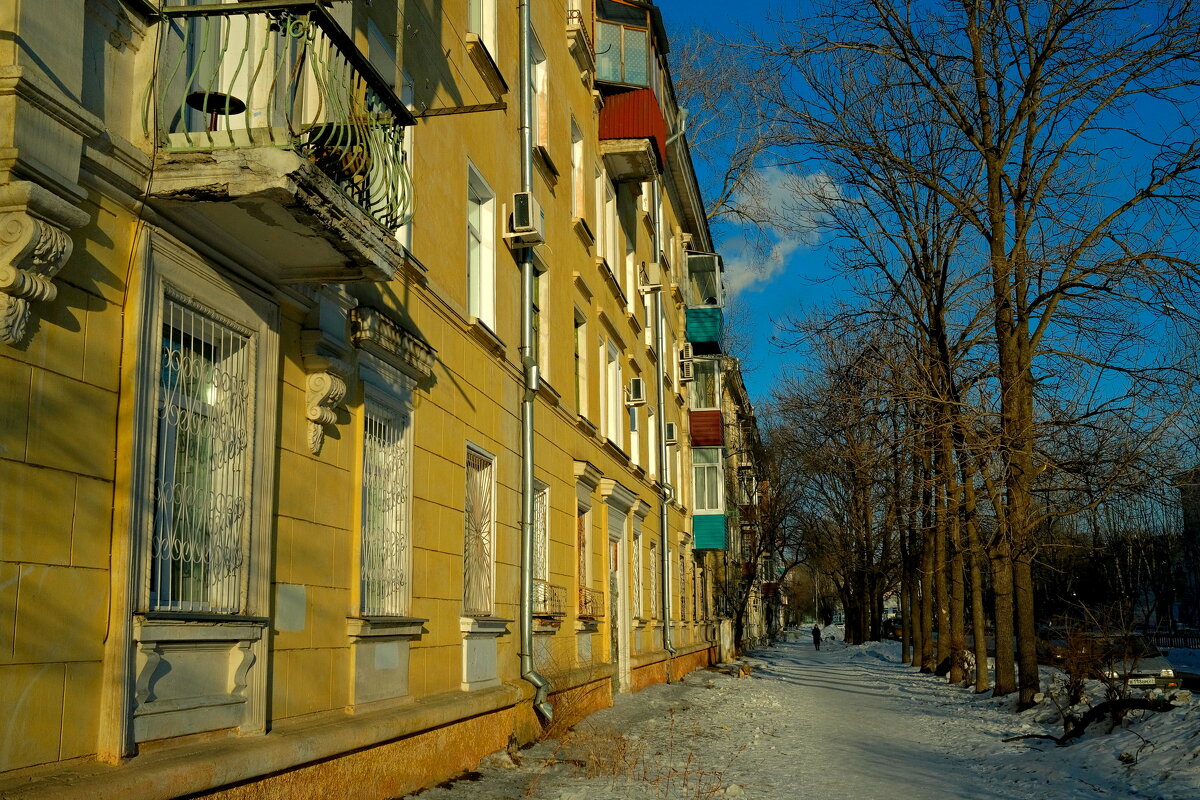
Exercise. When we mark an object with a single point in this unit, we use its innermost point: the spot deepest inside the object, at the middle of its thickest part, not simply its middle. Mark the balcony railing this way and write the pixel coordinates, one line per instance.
(548, 600)
(591, 603)
(282, 74)
(577, 24)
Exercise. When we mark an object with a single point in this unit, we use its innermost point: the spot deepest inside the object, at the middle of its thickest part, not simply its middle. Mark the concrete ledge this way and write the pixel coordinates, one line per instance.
(205, 767)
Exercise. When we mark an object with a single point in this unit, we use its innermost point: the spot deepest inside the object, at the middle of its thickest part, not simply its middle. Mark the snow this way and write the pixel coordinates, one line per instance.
(846, 722)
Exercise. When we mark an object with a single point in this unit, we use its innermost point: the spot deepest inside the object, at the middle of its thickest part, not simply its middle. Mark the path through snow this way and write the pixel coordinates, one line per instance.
(847, 722)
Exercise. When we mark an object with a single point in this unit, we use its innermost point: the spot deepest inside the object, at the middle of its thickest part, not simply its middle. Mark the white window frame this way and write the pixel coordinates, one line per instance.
(612, 423)
(581, 363)
(637, 568)
(393, 557)
(651, 442)
(539, 94)
(695, 400)
(707, 479)
(481, 261)
(541, 531)
(479, 579)
(635, 435)
(578, 201)
(481, 21)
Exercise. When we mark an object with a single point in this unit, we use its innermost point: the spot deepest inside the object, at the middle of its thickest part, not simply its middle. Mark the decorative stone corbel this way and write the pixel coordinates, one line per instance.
(324, 392)
(323, 347)
(32, 252)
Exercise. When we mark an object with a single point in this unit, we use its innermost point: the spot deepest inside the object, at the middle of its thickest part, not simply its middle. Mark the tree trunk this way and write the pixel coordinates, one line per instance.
(976, 556)
(1002, 589)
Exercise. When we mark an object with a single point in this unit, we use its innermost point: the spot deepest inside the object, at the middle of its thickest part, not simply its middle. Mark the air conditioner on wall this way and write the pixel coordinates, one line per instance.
(685, 354)
(672, 433)
(685, 370)
(636, 393)
(527, 225)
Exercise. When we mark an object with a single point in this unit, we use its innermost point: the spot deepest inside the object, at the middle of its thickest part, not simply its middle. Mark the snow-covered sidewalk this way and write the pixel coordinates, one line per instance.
(847, 722)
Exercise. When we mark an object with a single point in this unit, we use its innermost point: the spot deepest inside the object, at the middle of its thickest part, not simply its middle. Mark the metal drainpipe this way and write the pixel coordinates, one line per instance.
(532, 382)
(665, 490)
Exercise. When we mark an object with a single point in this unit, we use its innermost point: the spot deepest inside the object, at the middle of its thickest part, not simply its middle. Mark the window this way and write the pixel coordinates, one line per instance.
(651, 442)
(614, 401)
(385, 544)
(578, 201)
(536, 320)
(704, 391)
(637, 567)
(479, 535)
(404, 234)
(583, 541)
(541, 532)
(205, 433)
(704, 279)
(653, 579)
(481, 21)
(682, 589)
(581, 386)
(635, 441)
(481, 254)
(622, 54)
(538, 95)
(708, 485)
(606, 220)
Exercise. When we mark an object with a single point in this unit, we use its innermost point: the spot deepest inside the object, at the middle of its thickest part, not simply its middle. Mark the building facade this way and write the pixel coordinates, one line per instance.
(345, 352)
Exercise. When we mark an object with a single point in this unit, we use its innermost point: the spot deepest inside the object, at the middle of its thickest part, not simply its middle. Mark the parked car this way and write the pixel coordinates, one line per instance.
(892, 629)
(1131, 660)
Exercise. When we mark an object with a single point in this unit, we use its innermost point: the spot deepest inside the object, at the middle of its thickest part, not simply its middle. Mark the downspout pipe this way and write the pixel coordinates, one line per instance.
(666, 492)
(532, 382)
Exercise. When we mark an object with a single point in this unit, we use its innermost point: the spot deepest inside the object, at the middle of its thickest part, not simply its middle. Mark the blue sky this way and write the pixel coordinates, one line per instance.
(773, 291)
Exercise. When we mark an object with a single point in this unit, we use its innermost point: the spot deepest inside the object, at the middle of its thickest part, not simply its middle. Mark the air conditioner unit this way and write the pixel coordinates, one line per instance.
(672, 433)
(527, 225)
(635, 395)
(685, 371)
(685, 353)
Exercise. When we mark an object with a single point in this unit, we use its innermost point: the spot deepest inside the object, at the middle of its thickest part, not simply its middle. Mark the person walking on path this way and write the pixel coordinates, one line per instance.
(816, 637)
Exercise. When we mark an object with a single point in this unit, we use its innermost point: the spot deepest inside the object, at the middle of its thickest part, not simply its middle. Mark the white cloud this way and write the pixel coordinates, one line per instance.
(789, 206)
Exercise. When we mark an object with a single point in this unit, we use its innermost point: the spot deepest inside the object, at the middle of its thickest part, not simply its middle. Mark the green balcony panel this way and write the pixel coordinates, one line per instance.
(708, 531)
(704, 324)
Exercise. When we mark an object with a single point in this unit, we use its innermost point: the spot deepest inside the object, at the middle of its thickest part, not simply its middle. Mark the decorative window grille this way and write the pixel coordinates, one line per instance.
(541, 533)
(385, 512)
(201, 462)
(581, 539)
(653, 579)
(637, 569)
(478, 552)
(682, 589)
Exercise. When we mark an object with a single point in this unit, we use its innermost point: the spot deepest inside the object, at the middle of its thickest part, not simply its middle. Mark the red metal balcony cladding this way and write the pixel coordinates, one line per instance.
(634, 114)
(707, 429)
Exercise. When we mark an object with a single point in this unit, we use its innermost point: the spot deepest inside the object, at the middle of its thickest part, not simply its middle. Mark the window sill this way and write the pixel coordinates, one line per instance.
(542, 156)
(587, 625)
(367, 627)
(481, 331)
(548, 393)
(584, 231)
(586, 425)
(484, 626)
(610, 278)
(485, 64)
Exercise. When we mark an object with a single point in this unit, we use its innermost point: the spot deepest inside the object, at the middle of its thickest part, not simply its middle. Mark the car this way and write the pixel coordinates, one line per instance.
(1125, 659)
(892, 629)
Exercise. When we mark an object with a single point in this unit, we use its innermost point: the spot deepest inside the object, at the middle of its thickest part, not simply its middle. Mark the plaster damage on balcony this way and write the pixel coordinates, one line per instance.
(296, 222)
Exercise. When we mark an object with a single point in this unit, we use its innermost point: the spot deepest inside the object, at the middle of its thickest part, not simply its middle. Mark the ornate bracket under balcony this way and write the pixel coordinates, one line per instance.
(378, 335)
(32, 252)
(323, 351)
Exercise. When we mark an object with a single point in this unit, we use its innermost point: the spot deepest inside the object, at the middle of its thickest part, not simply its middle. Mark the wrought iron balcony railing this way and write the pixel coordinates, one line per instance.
(591, 603)
(577, 24)
(548, 600)
(283, 74)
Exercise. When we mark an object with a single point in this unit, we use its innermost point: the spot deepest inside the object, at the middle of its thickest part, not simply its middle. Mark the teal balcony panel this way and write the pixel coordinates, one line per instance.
(704, 324)
(708, 531)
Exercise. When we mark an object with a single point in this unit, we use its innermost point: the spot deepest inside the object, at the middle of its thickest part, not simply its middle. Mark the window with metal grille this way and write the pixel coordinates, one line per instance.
(637, 568)
(478, 550)
(201, 462)
(541, 532)
(385, 545)
(653, 579)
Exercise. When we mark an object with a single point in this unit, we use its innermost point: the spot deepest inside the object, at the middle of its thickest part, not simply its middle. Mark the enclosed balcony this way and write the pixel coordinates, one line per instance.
(708, 532)
(633, 135)
(277, 135)
(705, 298)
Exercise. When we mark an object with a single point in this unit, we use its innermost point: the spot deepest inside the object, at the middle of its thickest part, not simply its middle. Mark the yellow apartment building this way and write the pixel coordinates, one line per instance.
(346, 420)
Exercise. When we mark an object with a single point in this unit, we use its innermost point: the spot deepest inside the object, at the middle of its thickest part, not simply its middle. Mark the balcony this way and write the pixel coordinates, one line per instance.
(591, 603)
(579, 42)
(274, 134)
(707, 428)
(708, 532)
(548, 600)
(633, 135)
